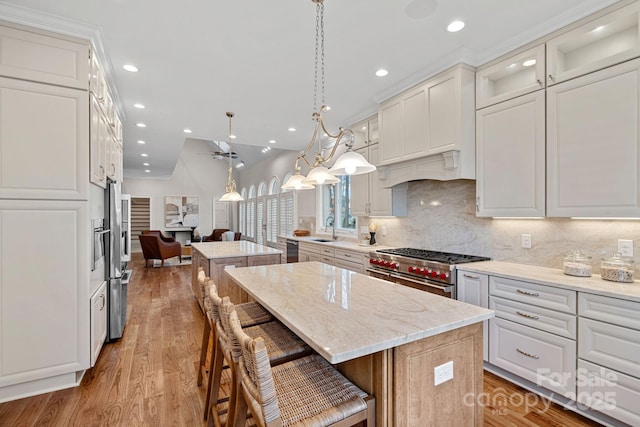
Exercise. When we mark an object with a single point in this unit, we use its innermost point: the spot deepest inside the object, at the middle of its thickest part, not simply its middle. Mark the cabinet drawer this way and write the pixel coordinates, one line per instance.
(609, 392)
(349, 256)
(327, 260)
(611, 310)
(558, 323)
(327, 251)
(611, 346)
(43, 58)
(309, 247)
(531, 293)
(353, 266)
(541, 357)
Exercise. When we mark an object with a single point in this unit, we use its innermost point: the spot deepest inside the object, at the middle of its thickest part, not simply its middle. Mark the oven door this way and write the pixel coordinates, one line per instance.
(447, 291)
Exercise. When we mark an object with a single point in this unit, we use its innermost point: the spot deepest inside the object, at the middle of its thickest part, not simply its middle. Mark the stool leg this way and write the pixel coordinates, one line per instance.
(205, 347)
(213, 388)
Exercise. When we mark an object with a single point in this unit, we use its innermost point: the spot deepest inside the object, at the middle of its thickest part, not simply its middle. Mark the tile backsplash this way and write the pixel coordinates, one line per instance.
(441, 216)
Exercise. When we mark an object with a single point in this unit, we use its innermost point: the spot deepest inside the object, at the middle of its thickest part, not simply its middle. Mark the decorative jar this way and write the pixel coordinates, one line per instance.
(576, 263)
(617, 268)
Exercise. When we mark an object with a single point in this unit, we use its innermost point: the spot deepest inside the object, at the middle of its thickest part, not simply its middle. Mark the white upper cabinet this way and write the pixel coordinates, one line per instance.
(44, 127)
(430, 118)
(366, 132)
(517, 75)
(602, 42)
(593, 144)
(510, 155)
(43, 58)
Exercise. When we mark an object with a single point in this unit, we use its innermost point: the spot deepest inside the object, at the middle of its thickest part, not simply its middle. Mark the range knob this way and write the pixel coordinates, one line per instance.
(410, 269)
(425, 272)
(372, 261)
(444, 276)
(394, 265)
(433, 273)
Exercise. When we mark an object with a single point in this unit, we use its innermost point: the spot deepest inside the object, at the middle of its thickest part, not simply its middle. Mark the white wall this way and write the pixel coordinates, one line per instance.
(195, 174)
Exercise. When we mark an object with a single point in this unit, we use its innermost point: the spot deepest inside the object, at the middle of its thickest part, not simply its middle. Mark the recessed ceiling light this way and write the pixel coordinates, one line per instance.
(232, 136)
(364, 128)
(145, 164)
(141, 141)
(292, 129)
(272, 141)
(600, 28)
(141, 125)
(140, 106)
(131, 68)
(529, 62)
(328, 108)
(144, 155)
(381, 72)
(455, 26)
(187, 130)
(239, 165)
(511, 66)
(147, 170)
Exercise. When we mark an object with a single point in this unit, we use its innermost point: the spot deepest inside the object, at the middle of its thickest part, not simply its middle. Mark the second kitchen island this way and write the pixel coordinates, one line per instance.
(214, 257)
(384, 337)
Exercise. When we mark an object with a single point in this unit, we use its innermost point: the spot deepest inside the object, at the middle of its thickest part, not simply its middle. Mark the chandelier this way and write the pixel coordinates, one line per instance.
(349, 163)
(231, 194)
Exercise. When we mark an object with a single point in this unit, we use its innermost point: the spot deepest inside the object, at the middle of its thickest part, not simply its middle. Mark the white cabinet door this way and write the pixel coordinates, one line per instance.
(593, 144)
(360, 189)
(510, 153)
(391, 133)
(44, 289)
(43, 128)
(98, 154)
(381, 199)
(473, 288)
(98, 321)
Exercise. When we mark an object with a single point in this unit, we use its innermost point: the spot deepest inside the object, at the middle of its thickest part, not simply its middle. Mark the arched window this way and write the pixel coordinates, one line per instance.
(242, 213)
(260, 213)
(286, 210)
(272, 212)
(251, 214)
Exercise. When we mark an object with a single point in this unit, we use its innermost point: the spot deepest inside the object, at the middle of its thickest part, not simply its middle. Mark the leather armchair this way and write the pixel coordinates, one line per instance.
(216, 235)
(153, 247)
(158, 233)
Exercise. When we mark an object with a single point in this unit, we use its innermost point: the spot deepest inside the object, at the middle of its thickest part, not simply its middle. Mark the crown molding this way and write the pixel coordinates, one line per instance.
(68, 27)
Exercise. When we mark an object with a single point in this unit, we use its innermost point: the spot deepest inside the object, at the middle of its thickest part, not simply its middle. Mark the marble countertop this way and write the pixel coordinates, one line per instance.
(211, 250)
(344, 315)
(556, 277)
(342, 244)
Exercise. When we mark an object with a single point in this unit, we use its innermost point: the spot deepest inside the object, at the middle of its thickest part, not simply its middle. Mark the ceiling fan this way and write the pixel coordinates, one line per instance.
(220, 155)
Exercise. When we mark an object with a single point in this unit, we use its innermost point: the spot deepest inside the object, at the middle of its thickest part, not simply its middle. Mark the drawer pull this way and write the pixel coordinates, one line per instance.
(347, 255)
(531, 294)
(468, 276)
(528, 316)
(533, 356)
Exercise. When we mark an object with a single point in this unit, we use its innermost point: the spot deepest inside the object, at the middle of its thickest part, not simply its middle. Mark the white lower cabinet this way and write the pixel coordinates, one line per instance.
(473, 288)
(543, 358)
(98, 321)
(609, 356)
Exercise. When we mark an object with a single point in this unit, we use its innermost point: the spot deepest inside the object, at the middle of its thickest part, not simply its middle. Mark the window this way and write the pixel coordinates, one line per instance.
(259, 226)
(335, 205)
(287, 210)
(272, 212)
(242, 213)
(251, 214)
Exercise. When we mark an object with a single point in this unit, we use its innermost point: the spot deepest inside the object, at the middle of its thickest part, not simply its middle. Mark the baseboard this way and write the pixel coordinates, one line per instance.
(44, 385)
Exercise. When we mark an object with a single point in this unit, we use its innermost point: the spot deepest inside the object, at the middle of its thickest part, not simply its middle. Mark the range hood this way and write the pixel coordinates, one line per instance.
(445, 166)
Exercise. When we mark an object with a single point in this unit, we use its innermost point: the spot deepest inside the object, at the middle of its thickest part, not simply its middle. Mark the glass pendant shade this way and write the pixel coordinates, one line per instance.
(320, 176)
(351, 163)
(231, 196)
(296, 183)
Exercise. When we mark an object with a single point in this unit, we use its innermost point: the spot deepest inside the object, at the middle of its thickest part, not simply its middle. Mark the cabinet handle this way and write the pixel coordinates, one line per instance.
(477, 204)
(533, 356)
(540, 83)
(103, 300)
(528, 316)
(347, 255)
(468, 276)
(550, 78)
(531, 294)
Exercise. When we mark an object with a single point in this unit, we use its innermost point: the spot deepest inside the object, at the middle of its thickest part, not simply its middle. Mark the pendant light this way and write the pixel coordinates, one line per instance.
(319, 174)
(231, 194)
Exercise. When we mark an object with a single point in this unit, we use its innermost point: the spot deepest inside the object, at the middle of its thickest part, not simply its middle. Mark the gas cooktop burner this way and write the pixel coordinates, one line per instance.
(443, 257)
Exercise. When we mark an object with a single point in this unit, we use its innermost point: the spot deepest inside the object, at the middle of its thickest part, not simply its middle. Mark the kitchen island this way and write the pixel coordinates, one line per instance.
(214, 257)
(385, 338)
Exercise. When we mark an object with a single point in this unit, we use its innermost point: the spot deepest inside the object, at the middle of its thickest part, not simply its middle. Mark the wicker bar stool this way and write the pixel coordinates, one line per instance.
(283, 344)
(304, 392)
(250, 314)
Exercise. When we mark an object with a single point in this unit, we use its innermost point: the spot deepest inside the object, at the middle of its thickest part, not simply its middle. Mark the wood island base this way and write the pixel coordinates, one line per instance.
(402, 380)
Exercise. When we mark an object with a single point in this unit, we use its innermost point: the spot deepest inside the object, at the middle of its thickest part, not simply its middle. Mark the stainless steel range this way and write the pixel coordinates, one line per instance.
(429, 271)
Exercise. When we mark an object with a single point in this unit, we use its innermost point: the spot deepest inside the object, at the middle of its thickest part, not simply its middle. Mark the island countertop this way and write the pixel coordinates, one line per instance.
(212, 250)
(344, 315)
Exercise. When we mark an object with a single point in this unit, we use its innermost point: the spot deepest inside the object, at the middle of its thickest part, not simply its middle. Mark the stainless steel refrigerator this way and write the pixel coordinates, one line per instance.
(117, 213)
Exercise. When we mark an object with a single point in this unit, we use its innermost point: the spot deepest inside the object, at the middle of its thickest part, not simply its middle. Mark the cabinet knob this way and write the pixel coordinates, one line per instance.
(550, 78)
(540, 83)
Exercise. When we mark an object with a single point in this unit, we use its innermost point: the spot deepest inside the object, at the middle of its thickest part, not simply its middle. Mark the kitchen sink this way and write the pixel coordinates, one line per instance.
(321, 240)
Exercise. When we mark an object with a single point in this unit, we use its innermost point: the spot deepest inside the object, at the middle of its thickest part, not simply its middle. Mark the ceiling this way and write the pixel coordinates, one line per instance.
(198, 59)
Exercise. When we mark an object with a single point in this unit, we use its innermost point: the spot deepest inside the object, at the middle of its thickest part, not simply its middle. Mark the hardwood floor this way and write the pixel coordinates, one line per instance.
(148, 378)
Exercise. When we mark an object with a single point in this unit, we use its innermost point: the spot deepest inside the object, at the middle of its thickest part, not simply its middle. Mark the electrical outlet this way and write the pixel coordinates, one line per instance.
(526, 241)
(384, 230)
(625, 247)
(443, 373)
